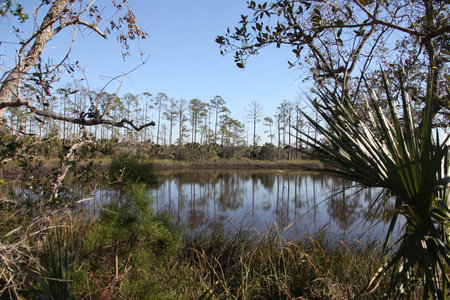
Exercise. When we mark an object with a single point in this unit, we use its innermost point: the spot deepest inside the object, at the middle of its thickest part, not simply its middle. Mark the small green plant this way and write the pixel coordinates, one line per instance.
(55, 273)
(125, 250)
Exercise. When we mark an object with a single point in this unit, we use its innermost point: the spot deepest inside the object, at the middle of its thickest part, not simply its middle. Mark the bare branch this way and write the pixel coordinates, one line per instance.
(377, 21)
(124, 123)
(65, 164)
(77, 21)
(2, 123)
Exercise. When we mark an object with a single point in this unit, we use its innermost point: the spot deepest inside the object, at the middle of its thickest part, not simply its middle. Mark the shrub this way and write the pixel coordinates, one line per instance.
(268, 152)
(126, 248)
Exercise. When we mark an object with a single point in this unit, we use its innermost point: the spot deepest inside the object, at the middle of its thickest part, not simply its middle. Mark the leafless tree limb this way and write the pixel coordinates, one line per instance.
(81, 121)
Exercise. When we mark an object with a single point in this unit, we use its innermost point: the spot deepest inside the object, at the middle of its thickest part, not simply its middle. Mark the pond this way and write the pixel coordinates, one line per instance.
(296, 203)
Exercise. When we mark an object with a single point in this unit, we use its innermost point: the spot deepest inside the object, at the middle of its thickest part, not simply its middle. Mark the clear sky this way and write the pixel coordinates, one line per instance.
(183, 59)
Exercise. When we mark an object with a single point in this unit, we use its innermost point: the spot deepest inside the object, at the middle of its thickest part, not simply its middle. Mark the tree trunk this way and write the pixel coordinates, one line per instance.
(43, 36)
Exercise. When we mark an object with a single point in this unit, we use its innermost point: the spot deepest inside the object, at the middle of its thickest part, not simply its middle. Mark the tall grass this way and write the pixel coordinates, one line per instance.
(249, 265)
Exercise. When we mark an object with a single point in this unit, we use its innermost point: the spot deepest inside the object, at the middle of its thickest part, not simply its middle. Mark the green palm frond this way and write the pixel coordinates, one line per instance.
(388, 148)
(54, 273)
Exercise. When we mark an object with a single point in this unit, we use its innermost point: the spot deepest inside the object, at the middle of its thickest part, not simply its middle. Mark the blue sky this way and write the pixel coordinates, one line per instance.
(184, 60)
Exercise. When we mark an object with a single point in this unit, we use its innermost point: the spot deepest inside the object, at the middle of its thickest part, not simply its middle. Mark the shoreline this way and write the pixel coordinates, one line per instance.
(235, 165)
(13, 170)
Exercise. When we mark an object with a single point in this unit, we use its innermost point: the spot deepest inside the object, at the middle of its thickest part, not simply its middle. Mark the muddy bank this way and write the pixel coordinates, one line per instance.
(12, 170)
(250, 165)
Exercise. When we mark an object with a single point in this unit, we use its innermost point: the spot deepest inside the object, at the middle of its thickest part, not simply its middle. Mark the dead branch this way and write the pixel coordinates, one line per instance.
(65, 163)
(80, 121)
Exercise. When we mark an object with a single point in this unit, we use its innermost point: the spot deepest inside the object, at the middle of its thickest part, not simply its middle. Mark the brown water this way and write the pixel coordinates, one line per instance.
(297, 203)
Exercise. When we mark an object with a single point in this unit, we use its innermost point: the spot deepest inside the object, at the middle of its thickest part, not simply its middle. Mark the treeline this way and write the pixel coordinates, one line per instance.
(184, 130)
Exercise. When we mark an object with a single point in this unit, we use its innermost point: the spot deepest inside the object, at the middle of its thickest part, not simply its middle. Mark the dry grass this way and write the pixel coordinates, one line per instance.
(248, 265)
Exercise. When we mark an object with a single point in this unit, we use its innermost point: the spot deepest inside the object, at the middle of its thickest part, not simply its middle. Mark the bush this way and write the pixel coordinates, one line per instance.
(126, 249)
(268, 152)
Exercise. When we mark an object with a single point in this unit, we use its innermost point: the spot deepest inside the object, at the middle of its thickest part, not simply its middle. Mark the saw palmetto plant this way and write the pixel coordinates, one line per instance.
(387, 147)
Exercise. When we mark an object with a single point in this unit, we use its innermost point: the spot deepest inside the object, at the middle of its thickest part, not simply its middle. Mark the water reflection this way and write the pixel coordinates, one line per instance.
(295, 202)
(303, 203)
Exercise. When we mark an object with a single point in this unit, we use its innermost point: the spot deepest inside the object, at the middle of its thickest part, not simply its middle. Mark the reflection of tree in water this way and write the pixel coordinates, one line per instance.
(344, 207)
(267, 181)
(204, 199)
(231, 190)
(297, 196)
(196, 207)
(298, 186)
(284, 184)
(195, 219)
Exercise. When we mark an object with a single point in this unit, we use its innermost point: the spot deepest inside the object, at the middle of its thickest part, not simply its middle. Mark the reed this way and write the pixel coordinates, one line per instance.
(250, 265)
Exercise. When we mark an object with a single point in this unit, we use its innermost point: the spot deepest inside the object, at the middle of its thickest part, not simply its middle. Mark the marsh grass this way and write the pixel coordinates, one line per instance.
(250, 265)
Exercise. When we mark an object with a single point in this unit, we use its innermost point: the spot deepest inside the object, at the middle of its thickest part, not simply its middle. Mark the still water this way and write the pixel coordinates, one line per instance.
(296, 203)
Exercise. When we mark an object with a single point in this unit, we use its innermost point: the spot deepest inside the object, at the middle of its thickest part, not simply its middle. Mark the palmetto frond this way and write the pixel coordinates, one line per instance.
(387, 148)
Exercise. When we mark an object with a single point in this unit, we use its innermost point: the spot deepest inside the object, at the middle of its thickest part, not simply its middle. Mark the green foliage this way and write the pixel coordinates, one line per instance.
(6, 7)
(132, 218)
(9, 146)
(268, 152)
(230, 152)
(55, 273)
(126, 169)
(105, 147)
(126, 248)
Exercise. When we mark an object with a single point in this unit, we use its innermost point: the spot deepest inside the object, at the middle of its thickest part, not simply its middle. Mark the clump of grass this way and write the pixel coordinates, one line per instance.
(248, 265)
(55, 269)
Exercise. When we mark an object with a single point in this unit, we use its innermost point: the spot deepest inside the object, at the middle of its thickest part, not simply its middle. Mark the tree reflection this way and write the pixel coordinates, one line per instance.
(344, 206)
(231, 193)
(200, 199)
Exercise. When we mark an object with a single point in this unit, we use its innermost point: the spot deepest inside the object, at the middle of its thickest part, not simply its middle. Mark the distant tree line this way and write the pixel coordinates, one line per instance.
(204, 127)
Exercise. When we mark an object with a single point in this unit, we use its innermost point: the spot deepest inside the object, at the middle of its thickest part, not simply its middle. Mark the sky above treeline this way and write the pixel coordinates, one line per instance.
(183, 59)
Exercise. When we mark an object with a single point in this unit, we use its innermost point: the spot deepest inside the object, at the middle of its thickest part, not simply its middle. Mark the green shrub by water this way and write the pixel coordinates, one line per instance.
(123, 252)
